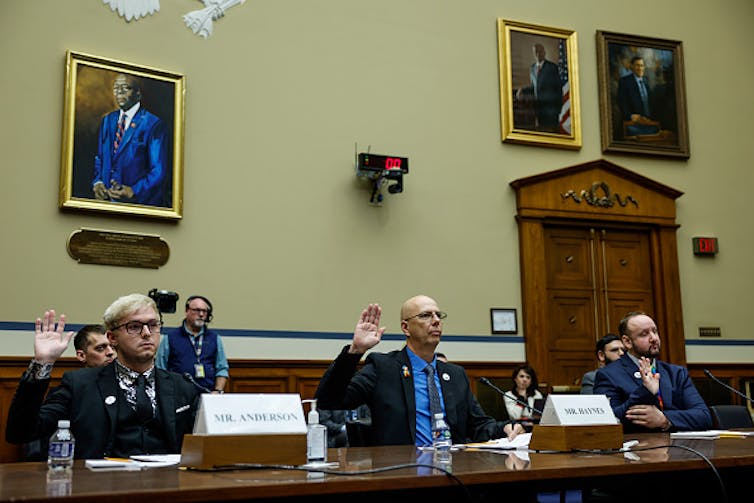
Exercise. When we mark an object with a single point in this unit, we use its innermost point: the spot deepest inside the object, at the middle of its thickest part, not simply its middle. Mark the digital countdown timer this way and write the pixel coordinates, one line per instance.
(377, 162)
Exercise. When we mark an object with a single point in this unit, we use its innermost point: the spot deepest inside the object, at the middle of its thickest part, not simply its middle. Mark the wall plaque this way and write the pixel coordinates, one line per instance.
(126, 249)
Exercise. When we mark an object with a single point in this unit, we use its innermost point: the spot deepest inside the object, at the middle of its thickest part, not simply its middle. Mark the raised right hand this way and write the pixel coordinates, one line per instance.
(49, 341)
(367, 333)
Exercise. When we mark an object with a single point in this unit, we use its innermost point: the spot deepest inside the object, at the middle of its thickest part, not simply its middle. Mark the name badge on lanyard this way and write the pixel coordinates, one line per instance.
(198, 366)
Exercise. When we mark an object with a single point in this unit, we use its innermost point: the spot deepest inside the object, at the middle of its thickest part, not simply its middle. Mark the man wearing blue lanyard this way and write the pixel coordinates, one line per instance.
(403, 388)
(194, 349)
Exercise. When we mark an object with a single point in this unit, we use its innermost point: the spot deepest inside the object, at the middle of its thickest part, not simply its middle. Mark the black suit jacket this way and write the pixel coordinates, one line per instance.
(629, 97)
(386, 385)
(89, 399)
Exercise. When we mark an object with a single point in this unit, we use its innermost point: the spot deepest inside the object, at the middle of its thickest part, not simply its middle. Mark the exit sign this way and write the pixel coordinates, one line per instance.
(705, 246)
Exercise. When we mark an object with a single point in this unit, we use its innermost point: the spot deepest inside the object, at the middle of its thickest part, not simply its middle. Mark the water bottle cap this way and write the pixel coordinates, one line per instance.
(64, 423)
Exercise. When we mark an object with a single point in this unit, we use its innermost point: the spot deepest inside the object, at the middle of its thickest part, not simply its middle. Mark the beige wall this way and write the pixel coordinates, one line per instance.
(278, 231)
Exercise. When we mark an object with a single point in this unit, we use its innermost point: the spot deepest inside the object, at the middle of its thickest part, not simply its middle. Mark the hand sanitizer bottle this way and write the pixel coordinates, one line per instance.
(316, 436)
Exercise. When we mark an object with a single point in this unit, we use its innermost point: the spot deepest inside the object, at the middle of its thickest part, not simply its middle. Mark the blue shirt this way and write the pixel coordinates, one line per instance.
(421, 396)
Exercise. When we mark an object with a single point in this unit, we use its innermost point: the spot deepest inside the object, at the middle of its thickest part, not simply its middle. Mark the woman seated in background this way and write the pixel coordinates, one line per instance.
(524, 389)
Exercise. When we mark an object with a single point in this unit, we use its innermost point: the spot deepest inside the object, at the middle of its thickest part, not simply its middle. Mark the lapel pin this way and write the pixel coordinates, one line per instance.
(406, 373)
(445, 376)
(110, 400)
(637, 374)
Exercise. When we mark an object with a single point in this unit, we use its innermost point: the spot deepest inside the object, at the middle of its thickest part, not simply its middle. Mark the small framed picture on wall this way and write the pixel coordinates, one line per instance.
(503, 321)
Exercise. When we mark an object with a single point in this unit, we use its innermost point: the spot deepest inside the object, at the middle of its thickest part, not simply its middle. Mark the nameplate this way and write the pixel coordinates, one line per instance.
(569, 410)
(250, 413)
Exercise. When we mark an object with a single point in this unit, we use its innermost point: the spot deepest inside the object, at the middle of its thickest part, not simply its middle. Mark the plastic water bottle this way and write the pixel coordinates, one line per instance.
(441, 440)
(62, 444)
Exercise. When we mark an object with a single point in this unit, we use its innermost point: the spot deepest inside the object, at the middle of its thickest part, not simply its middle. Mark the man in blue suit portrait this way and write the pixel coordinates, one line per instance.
(131, 165)
(645, 393)
(635, 100)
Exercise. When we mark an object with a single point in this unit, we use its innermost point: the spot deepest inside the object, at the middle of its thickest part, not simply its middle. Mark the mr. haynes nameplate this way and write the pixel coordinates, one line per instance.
(125, 249)
(250, 414)
(577, 410)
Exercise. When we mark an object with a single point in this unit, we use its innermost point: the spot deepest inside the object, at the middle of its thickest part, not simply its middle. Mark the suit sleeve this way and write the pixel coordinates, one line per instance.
(619, 401)
(341, 388)
(28, 417)
(688, 412)
(156, 153)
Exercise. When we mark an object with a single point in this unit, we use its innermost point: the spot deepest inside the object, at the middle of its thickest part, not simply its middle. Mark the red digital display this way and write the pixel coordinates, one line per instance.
(378, 162)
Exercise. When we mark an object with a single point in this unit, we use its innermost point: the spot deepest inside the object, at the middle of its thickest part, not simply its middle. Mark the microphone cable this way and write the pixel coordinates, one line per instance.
(259, 466)
(709, 462)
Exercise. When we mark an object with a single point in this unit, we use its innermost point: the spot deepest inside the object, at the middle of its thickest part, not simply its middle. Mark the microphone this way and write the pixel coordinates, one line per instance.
(198, 386)
(734, 390)
(515, 399)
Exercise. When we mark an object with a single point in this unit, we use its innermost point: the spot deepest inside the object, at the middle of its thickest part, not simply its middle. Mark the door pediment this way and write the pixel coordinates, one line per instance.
(598, 189)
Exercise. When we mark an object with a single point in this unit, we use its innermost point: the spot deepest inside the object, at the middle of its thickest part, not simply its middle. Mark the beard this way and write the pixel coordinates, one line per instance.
(197, 324)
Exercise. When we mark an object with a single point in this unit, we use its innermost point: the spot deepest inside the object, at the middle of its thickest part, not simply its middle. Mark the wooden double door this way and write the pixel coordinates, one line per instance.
(594, 276)
(596, 241)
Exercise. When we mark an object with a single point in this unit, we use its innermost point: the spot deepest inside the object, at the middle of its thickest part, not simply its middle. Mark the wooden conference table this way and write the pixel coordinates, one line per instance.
(670, 473)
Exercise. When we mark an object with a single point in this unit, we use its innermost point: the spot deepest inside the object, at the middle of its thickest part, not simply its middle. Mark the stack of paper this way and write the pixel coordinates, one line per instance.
(520, 442)
(133, 463)
(712, 434)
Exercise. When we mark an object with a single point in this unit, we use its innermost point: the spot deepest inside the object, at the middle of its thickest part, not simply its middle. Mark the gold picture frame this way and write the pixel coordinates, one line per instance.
(539, 85)
(651, 121)
(114, 162)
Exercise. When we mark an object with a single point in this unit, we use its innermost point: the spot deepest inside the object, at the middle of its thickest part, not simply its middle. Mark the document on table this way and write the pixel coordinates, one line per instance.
(520, 442)
(712, 434)
(134, 463)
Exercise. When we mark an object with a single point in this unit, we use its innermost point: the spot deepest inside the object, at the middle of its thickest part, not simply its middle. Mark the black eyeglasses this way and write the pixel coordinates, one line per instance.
(137, 327)
(427, 315)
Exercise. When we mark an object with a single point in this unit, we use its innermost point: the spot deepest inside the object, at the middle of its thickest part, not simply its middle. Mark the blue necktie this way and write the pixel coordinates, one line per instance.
(435, 407)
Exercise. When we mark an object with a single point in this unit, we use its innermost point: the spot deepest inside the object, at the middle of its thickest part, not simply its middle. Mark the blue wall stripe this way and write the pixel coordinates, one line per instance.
(291, 334)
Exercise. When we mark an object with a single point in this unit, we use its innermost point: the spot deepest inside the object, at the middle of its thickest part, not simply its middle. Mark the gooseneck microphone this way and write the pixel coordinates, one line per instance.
(198, 386)
(734, 390)
(515, 399)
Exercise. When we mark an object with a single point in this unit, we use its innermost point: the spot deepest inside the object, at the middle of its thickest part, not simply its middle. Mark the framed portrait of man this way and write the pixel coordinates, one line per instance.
(642, 95)
(122, 149)
(539, 90)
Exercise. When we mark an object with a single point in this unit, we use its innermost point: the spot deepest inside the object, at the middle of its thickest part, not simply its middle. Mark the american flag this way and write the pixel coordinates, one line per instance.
(565, 109)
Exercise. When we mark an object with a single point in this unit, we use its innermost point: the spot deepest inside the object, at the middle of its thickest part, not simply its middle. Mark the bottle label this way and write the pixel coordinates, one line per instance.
(317, 444)
(61, 449)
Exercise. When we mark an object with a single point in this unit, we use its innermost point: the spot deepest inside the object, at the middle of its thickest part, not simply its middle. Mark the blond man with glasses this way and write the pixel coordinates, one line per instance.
(405, 388)
(125, 408)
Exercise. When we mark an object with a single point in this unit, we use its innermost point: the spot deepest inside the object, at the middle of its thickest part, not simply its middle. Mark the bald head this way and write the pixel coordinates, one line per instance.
(411, 306)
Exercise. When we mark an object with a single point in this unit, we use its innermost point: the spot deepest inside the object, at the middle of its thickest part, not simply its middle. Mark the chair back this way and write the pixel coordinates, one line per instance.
(731, 416)
(359, 432)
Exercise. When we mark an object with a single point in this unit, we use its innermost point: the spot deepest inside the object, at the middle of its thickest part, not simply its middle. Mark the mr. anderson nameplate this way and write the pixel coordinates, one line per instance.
(126, 249)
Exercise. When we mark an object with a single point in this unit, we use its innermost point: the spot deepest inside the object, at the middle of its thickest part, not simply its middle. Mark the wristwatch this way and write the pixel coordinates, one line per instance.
(40, 370)
(219, 391)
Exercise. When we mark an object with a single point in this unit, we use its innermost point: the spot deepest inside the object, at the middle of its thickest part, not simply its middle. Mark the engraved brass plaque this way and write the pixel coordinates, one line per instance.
(125, 249)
